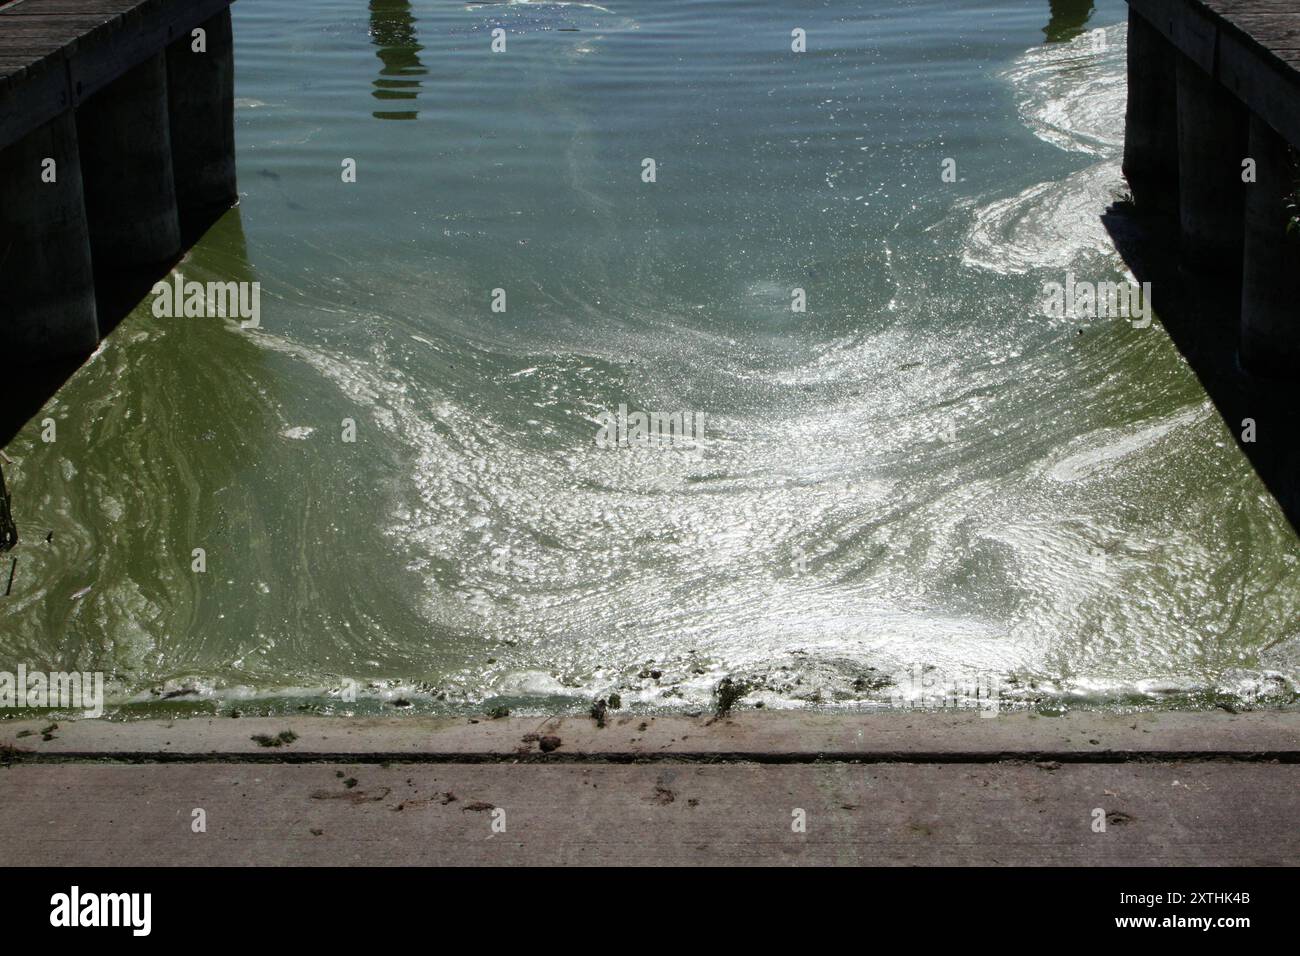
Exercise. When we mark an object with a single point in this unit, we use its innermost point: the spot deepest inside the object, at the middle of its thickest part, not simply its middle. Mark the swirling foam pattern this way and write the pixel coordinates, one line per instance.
(920, 474)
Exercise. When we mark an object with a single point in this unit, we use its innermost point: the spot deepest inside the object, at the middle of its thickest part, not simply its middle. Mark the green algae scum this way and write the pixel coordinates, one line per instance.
(674, 355)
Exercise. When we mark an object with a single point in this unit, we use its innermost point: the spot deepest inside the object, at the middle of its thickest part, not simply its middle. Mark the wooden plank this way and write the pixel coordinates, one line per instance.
(41, 8)
(15, 67)
(39, 29)
(77, 23)
(1273, 24)
(18, 15)
(1270, 87)
(41, 94)
(1251, 46)
(32, 52)
(56, 53)
(68, 27)
(1187, 24)
(35, 48)
(1270, 32)
(94, 67)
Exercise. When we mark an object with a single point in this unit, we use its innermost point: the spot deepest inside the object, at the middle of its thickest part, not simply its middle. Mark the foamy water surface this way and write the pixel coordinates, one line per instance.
(918, 472)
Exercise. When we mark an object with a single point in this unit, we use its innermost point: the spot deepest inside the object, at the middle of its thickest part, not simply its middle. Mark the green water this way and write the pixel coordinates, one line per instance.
(922, 470)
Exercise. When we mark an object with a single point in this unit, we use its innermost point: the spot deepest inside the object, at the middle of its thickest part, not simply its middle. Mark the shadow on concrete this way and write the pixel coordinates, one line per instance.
(28, 388)
(1201, 312)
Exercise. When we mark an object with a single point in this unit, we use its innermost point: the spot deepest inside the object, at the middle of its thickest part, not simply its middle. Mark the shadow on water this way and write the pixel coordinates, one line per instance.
(26, 390)
(392, 29)
(1201, 312)
(116, 294)
(168, 429)
(29, 388)
(1069, 18)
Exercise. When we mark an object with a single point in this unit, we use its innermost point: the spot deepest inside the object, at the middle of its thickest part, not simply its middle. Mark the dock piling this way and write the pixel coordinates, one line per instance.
(127, 167)
(1270, 299)
(94, 87)
(46, 277)
(201, 105)
(1212, 131)
(1235, 70)
(1150, 121)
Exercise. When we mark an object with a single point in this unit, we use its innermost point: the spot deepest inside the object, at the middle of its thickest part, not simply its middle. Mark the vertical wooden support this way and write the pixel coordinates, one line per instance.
(1212, 132)
(8, 529)
(201, 106)
(1151, 120)
(127, 167)
(1270, 297)
(47, 288)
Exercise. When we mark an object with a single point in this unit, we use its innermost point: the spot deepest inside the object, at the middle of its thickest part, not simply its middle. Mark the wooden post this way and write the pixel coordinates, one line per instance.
(8, 530)
(1212, 133)
(127, 167)
(201, 98)
(1150, 123)
(1270, 294)
(47, 287)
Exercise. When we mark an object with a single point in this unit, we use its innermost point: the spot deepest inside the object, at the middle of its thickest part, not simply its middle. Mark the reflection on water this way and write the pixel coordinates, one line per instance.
(392, 28)
(1068, 19)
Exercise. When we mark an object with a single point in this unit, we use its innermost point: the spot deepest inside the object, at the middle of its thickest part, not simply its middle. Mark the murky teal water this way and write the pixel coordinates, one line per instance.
(922, 471)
